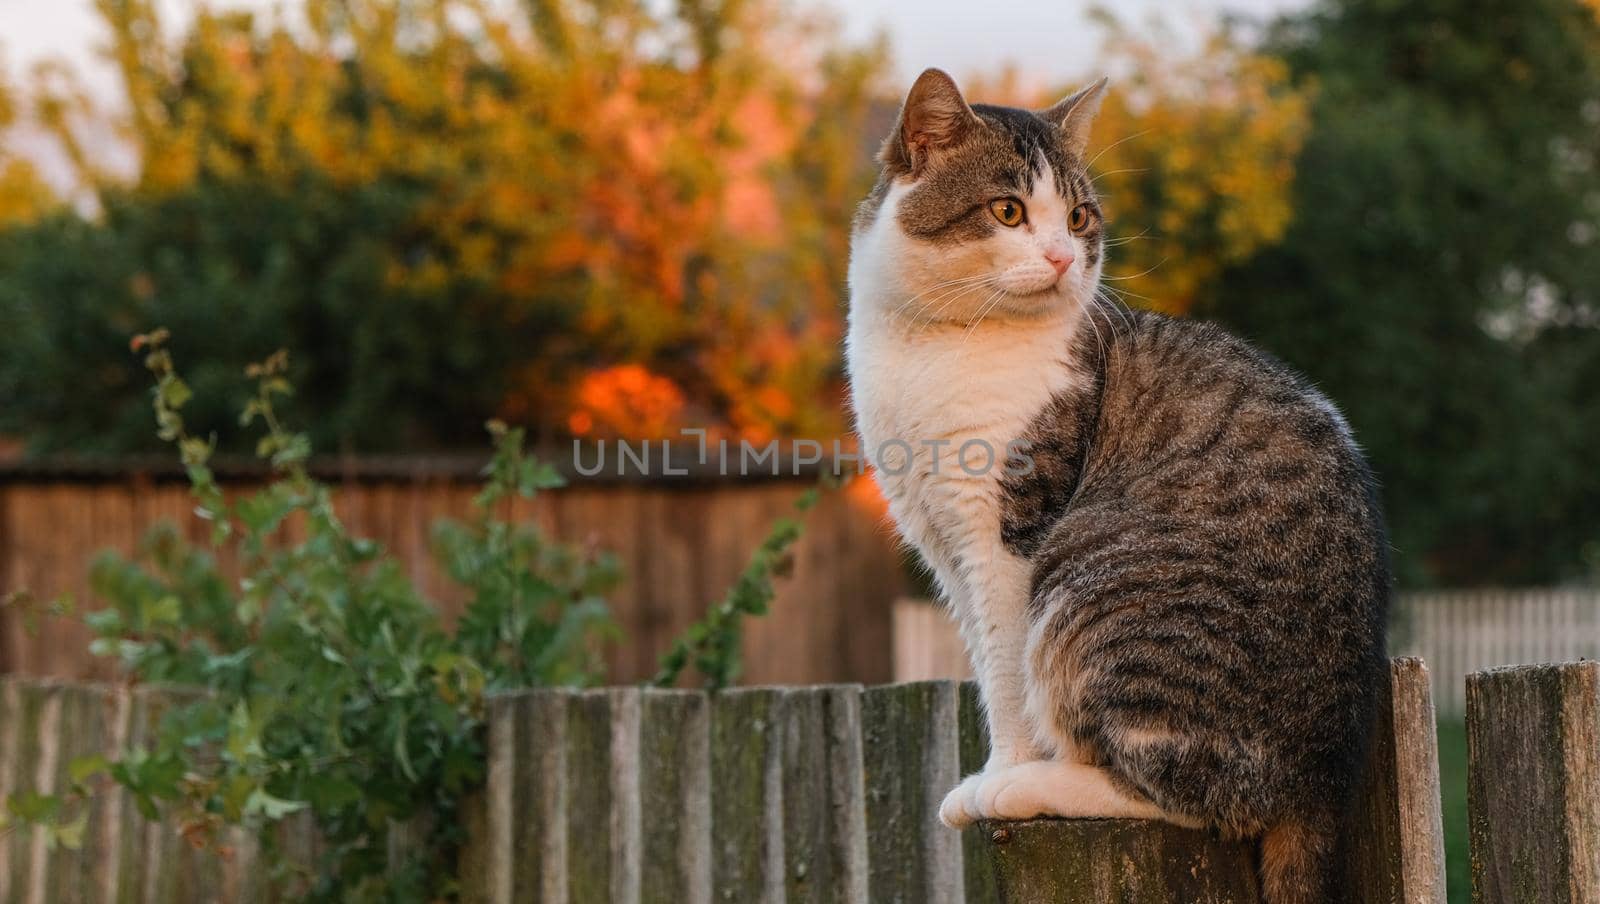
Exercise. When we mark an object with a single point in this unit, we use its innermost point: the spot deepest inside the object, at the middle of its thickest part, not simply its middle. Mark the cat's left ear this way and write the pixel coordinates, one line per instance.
(1073, 115)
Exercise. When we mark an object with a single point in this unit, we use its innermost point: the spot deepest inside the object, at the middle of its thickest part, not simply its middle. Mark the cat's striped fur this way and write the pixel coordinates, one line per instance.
(1178, 612)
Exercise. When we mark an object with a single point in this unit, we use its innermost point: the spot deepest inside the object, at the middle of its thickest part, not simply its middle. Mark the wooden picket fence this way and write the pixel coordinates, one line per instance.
(1457, 632)
(628, 795)
(829, 794)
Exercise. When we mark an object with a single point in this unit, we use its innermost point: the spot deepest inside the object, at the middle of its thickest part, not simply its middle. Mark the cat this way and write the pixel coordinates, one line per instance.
(1163, 548)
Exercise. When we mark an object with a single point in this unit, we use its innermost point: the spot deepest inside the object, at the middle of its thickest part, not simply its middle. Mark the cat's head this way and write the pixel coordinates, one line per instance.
(980, 211)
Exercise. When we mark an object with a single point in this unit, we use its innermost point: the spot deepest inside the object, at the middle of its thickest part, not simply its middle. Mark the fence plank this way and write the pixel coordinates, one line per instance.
(1092, 861)
(1533, 786)
(675, 795)
(824, 824)
(912, 758)
(746, 798)
(11, 739)
(1393, 847)
(34, 772)
(526, 859)
(82, 732)
(603, 796)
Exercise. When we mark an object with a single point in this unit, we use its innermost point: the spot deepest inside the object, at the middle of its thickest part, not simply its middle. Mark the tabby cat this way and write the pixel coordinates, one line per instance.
(1163, 547)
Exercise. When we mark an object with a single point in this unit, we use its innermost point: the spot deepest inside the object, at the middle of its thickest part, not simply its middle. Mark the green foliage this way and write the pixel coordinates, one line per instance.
(1438, 279)
(330, 685)
(711, 644)
(243, 265)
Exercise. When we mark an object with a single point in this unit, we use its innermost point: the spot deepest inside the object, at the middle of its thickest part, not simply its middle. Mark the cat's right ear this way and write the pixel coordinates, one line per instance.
(1074, 114)
(935, 117)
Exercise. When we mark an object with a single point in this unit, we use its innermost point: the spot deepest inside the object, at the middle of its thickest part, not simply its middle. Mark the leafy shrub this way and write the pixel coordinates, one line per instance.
(335, 688)
(332, 687)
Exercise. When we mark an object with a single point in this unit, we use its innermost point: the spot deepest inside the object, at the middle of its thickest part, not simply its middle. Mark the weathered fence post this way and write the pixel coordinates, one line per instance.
(1393, 845)
(1533, 786)
(1093, 861)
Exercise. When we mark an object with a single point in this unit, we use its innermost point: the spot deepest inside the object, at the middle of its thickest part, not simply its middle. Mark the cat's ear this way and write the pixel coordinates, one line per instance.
(935, 117)
(1074, 114)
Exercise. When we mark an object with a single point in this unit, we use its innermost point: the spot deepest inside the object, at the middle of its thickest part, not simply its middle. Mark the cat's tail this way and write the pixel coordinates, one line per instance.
(1297, 860)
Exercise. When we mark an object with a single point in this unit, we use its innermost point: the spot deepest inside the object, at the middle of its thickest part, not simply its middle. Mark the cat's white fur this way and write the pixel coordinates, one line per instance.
(936, 365)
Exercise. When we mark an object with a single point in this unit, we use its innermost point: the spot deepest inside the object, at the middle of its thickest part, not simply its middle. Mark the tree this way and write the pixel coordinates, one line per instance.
(24, 196)
(1438, 277)
(494, 201)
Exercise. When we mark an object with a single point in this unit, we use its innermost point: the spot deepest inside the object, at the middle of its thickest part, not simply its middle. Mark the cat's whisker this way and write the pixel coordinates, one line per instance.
(1123, 295)
(1114, 144)
(983, 311)
(1097, 304)
(953, 296)
(942, 285)
(1115, 306)
(1131, 238)
(1136, 275)
(1087, 308)
(1094, 180)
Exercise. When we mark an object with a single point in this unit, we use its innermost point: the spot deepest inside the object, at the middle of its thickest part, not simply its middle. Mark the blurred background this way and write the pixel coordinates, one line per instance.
(602, 219)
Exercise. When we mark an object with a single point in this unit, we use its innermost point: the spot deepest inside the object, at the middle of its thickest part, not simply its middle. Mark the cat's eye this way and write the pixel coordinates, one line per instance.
(1008, 211)
(1079, 218)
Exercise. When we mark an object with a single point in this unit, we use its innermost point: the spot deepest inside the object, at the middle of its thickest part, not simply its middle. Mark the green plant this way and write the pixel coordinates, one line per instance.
(331, 686)
(711, 644)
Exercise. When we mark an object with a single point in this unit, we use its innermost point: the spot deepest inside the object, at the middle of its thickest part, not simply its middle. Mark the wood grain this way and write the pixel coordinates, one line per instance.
(1118, 861)
(1392, 851)
(1533, 792)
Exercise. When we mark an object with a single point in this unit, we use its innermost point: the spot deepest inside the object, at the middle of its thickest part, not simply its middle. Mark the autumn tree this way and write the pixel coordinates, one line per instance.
(453, 209)
(24, 196)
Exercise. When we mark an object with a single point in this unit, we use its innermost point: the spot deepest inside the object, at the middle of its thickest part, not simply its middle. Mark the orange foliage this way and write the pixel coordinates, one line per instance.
(626, 401)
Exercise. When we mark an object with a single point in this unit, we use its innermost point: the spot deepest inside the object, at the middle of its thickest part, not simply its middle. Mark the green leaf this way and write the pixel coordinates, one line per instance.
(174, 392)
(274, 808)
(402, 751)
(69, 834)
(164, 611)
(31, 806)
(83, 768)
(104, 621)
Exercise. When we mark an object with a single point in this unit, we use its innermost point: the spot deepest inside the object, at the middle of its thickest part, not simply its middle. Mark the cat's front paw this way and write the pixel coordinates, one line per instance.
(960, 807)
(1020, 791)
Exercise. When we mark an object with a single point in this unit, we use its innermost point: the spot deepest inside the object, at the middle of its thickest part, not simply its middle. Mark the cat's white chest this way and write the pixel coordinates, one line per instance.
(943, 414)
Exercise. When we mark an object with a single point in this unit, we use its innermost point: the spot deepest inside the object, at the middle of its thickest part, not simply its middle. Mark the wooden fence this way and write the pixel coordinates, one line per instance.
(1455, 632)
(681, 544)
(781, 795)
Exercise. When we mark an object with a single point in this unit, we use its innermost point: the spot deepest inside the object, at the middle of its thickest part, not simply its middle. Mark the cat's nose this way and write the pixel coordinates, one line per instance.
(1059, 258)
